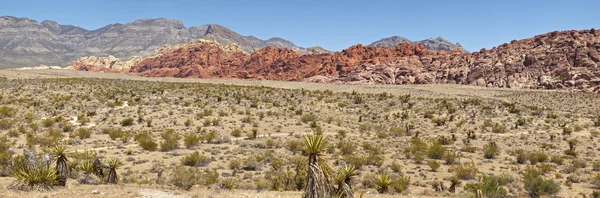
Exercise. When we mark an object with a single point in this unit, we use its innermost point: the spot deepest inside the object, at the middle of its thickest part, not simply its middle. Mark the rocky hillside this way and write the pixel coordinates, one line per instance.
(434, 44)
(556, 60)
(26, 42)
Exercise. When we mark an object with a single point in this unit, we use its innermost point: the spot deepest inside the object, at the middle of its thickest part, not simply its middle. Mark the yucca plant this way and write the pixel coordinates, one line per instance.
(87, 166)
(382, 182)
(343, 180)
(62, 168)
(317, 179)
(229, 183)
(41, 178)
(113, 165)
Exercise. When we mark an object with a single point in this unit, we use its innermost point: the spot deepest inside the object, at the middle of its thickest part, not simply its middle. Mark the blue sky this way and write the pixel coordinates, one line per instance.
(336, 24)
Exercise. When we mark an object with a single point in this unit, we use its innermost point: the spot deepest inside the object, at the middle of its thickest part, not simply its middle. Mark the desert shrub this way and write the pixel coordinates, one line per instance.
(210, 136)
(6, 124)
(433, 164)
(294, 145)
(436, 150)
(48, 122)
(127, 122)
(195, 160)
(557, 159)
(83, 119)
(465, 171)
(6, 112)
(490, 150)
(184, 177)
(84, 133)
(521, 156)
(597, 120)
(187, 123)
(537, 157)
(115, 133)
(170, 140)
(250, 164)
(450, 157)
(401, 184)
(537, 186)
(498, 128)
(235, 164)
(439, 121)
(596, 180)
(396, 167)
(191, 140)
(346, 147)
(145, 140)
(310, 117)
(489, 186)
(236, 132)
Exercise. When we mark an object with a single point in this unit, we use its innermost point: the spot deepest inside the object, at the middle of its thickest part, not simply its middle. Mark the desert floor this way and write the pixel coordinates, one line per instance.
(250, 133)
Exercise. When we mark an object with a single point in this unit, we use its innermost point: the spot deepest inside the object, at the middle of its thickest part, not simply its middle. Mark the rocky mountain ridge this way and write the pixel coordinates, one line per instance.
(434, 44)
(26, 42)
(556, 60)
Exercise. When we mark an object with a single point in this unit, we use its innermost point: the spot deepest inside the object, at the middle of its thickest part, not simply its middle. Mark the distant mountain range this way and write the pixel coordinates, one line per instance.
(26, 42)
(435, 44)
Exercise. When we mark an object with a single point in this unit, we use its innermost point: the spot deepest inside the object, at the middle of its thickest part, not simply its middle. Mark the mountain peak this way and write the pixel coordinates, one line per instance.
(159, 22)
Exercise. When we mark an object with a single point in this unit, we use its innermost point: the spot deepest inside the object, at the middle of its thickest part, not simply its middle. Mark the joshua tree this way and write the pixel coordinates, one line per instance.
(317, 179)
(572, 144)
(62, 169)
(345, 176)
(113, 164)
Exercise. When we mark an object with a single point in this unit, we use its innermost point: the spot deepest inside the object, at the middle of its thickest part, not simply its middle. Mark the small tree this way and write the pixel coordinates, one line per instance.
(318, 177)
(62, 169)
(113, 165)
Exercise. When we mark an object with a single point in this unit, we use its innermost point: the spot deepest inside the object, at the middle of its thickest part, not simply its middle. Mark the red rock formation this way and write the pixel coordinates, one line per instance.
(556, 60)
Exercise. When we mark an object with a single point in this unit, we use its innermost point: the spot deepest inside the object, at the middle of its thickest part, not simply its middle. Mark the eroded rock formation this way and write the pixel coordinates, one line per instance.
(556, 60)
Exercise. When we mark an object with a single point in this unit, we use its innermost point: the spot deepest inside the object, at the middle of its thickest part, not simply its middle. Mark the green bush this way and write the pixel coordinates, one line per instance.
(145, 140)
(170, 140)
(465, 171)
(6, 112)
(310, 117)
(537, 157)
(489, 186)
(490, 150)
(436, 150)
(236, 132)
(195, 160)
(184, 177)
(84, 133)
(191, 140)
(401, 184)
(127, 122)
(433, 164)
(537, 186)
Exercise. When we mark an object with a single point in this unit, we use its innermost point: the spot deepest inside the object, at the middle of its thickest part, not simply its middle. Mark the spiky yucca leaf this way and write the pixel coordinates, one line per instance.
(41, 178)
(343, 179)
(87, 166)
(315, 144)
(382, 182)
(114, 163)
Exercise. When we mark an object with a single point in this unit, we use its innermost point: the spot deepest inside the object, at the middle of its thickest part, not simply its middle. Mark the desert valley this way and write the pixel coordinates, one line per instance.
(206, 112)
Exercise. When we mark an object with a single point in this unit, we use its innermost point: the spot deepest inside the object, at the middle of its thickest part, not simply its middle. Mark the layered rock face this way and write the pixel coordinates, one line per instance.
(557, 60)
